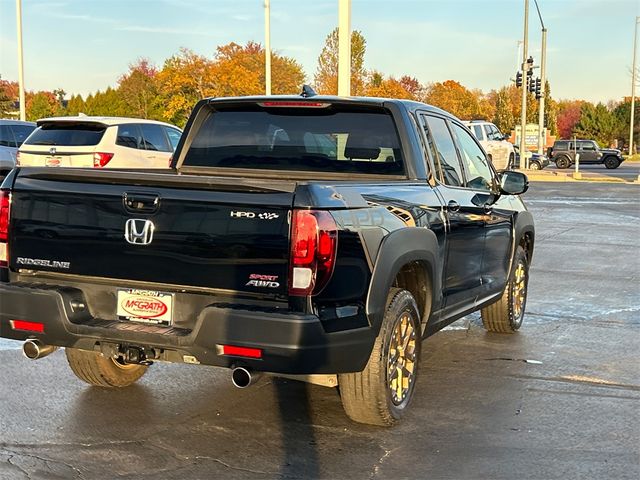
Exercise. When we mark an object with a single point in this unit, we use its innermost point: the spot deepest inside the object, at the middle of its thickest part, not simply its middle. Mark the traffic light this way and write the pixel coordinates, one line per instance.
(518, 79)
(531, 84)
(538, 88)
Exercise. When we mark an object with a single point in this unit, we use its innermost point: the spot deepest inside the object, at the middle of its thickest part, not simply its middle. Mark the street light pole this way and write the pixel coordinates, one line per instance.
(344, 48)
(23, 107)
(267, 47)
(523, 114)
(543, 87)
(633, 86)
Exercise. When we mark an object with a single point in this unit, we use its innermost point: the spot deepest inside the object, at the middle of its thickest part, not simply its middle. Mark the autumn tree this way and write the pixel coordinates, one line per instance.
(568, 116)
(454, 98)
(8, 93)
(41, 105)
(138, 89)
(326, 77)
(240, 70)
(416, 89)
(184, 79)
(379, 86)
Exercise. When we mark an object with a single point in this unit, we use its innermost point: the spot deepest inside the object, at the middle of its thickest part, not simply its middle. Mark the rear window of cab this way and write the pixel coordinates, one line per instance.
(67, 134)
(320, 138)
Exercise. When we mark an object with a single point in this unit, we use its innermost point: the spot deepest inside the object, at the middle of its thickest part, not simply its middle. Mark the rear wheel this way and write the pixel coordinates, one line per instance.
(381, 393)
(101, 371)
(505, 315)
(611, 163)
(563, 162)
(534, 166)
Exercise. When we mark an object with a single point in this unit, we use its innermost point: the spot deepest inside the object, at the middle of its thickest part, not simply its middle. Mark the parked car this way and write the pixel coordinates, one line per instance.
(500, 151)
(99, 142)
(316, 237)
(563, 153)
(536, 161)
(12, 134)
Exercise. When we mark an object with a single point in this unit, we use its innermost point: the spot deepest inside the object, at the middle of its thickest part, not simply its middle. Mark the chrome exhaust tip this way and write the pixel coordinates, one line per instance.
(35, 349)
(243, 377)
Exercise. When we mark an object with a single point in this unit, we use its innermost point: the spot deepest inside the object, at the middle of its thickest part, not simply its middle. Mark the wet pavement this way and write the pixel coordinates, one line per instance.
(559, 399)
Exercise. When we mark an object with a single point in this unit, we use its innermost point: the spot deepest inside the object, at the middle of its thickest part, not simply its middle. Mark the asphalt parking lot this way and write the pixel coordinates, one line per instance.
(557, 400)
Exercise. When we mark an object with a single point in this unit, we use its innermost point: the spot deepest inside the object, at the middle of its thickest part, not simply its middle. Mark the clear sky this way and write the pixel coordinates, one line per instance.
(85, 45)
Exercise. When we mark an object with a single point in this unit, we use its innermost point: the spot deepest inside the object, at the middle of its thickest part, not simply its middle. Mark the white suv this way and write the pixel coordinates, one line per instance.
(99, 142)
(500, 151)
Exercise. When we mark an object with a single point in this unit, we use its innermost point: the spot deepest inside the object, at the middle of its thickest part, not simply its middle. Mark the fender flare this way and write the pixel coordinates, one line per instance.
(524, 226)
(396, 250)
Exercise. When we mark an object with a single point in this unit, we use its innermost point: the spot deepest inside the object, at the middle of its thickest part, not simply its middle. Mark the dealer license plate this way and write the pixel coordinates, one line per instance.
(145, 306)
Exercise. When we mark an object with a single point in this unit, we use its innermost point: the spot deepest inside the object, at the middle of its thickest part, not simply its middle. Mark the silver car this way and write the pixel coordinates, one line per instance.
(12, 134)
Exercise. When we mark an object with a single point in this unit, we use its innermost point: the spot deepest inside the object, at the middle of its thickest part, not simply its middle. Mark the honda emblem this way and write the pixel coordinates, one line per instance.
(138, 231)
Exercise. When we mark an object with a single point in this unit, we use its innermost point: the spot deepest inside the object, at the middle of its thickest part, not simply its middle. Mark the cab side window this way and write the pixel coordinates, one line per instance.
(476, 165)
(443, 150)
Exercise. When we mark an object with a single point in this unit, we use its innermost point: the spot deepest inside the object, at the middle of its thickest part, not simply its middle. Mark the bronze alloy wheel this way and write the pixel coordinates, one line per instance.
(401, 360)
(519, 292)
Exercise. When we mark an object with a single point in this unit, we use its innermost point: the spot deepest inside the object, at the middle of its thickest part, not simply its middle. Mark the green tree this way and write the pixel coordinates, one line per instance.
(622, 114)
(503, 118)
(75, 105)
(550, 111)
(326, 77)
(597, 123)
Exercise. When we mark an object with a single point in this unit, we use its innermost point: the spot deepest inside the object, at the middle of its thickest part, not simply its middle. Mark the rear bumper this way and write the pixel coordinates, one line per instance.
(290, 343)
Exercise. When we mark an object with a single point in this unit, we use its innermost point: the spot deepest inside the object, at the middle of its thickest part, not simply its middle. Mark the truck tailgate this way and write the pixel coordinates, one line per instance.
(227, 236)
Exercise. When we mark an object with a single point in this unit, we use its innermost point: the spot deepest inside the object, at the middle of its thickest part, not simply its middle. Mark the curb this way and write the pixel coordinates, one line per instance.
(568, 177)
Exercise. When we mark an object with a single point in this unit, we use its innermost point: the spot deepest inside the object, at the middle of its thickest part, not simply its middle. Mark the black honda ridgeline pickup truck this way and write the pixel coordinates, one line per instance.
(318, 238)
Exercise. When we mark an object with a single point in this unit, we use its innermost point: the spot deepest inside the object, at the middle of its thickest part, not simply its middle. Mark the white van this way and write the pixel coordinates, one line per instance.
(500, 151)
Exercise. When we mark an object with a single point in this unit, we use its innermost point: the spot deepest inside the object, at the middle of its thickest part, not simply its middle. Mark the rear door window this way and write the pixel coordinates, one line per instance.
(321, 138)
(129, 136)
(67, 134)
(154, 138)
(448, 168)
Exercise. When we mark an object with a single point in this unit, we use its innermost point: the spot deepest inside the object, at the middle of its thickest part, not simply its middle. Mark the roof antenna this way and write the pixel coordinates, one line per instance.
(307, 92)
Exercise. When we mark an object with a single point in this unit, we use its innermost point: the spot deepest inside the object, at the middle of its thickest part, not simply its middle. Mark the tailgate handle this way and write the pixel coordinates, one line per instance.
(141, 202)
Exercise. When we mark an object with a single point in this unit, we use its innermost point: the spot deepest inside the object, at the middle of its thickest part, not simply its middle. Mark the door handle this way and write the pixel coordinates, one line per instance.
(140, 202)
(453, 206)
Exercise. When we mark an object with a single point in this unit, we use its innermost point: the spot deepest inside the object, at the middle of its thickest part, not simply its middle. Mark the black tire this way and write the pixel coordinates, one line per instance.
(611, 163)
(534, 166)
(505, 315)
(101, 371)
(563, 162)
(366, 395)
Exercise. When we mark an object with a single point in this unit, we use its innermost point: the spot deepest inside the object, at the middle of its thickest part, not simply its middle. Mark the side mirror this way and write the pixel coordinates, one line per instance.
(513, 183)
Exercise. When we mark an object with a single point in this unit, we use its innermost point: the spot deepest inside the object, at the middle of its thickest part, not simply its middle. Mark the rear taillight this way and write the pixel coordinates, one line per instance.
(5, 204)
(314, 242)
(100, 159)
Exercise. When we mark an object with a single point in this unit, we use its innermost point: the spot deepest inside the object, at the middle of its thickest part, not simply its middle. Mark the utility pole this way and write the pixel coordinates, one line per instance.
(633, 86)
(543, 87)
(543, 80)
(523, 115)
(23, 107)
(267, 47)
(344, 48)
